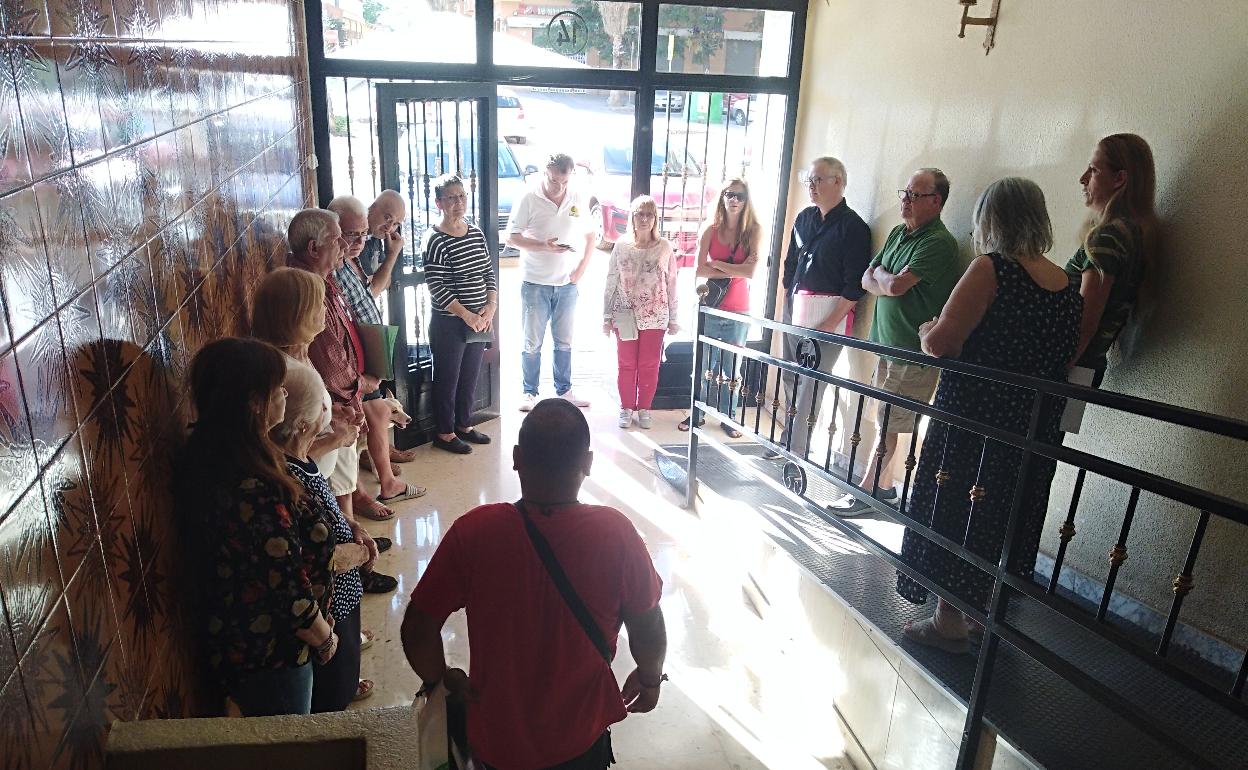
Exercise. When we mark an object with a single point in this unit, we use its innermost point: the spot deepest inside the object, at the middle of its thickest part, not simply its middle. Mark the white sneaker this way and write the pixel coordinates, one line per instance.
(527, 403)
(626, 417)
(644, 419)
(573, 399)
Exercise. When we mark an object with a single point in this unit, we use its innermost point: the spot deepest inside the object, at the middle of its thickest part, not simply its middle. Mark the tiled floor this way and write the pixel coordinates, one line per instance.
(715, 713)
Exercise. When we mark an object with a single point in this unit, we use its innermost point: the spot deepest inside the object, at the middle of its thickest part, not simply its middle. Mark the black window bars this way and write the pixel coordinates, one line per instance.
(730, 381)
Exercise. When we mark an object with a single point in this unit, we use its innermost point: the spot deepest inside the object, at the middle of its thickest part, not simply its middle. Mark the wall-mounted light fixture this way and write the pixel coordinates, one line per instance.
(990, 22)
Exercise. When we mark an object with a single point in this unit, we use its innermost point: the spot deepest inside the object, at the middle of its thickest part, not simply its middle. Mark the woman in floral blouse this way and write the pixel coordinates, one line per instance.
(640, 306)
(259, 556)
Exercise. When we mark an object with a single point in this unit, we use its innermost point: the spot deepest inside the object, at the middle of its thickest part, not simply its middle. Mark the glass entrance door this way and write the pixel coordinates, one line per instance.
(425, 131)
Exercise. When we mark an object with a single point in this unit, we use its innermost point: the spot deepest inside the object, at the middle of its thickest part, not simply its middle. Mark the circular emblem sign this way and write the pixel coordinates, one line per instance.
(794, 477)
(568, 33)
(808, 353)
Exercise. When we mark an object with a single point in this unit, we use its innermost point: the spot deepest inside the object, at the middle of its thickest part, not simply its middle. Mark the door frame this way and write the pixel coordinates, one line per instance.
(645, 80)
(389, 96)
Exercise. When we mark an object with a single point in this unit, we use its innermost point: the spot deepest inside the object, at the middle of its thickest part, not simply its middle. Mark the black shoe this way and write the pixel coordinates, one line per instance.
(455, 445)
(473, 436)
(377, 583)
(383, 544)
(772, 454)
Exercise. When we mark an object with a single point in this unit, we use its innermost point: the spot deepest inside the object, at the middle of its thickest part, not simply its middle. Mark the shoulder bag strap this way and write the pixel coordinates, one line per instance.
(542, 546)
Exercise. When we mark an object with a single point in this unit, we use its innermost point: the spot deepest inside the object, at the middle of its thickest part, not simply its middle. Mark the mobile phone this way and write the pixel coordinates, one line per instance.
(564, 246)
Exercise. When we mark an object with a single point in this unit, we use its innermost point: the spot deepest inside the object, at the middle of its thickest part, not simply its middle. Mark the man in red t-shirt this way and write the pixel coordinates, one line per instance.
(540, 694)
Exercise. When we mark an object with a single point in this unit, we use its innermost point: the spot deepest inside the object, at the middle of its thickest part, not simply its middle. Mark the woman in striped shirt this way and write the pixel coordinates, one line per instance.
(464, 291)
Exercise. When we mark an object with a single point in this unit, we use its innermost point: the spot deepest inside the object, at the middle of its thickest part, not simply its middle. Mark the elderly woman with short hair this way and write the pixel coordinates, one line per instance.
(459, 273)
(1016, 311)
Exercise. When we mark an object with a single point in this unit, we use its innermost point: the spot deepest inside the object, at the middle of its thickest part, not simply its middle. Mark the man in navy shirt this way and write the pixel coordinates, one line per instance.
(829, 249)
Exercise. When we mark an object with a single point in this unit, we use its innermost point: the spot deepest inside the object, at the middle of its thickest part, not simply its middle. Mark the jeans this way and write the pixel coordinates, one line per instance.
(728, 331)
(334, 684)
(541, 306)
(638, 361)
(274, 691)
(456, 364)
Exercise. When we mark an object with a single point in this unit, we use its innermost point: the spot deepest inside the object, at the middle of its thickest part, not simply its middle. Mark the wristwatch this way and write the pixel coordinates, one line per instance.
(655, 686)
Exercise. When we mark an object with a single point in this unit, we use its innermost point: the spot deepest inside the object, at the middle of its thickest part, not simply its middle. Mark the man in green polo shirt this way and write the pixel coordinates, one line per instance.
(911, 278)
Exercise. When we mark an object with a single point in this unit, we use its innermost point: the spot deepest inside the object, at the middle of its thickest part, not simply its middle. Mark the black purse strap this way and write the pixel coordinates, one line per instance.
(570, 597)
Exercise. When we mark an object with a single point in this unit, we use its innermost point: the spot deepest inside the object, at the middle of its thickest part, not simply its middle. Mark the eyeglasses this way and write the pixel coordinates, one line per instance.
(642, 215)
(356, 236)
(814, 181)
(732, 195)
(910, 195)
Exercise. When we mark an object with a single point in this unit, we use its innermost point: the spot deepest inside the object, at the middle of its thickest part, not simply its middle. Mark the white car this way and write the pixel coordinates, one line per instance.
(663, 99)
(512, 125)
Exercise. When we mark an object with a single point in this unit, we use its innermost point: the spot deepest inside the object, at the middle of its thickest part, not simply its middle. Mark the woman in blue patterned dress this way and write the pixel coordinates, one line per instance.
(1012, 310)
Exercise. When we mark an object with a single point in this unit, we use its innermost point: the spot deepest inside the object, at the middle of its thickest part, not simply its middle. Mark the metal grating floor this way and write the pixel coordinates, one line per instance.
(1043, 716)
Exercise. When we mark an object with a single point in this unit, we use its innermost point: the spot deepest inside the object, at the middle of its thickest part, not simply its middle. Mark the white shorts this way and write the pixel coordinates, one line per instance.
(342, 468)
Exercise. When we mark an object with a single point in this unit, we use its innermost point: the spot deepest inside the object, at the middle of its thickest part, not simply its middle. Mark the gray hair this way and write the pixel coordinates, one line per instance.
(307, 226)
(348, 204)
(305, 394)
(835, 164)
(940, 180)
(446, 180)
(1010, 218)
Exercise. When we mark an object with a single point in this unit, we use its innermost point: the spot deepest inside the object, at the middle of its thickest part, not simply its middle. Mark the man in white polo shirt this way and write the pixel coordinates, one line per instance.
(551, 227)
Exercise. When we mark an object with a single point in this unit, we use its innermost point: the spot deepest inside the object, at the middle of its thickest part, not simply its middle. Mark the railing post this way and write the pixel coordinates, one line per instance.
(695, 413)
(973, 730)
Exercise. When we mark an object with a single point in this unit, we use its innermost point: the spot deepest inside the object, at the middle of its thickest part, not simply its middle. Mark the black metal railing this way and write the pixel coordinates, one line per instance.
(731, 381)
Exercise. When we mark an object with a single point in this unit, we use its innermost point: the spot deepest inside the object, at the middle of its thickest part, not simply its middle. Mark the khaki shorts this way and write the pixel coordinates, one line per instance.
(909, 380)
(342, 468)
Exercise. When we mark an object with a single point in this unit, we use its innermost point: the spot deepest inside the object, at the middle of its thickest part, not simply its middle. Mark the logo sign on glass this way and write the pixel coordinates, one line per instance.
(568, 33)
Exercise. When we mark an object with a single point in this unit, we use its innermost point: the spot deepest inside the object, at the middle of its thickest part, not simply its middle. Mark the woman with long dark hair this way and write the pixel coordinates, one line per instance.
(260, 556)
(1119, 188)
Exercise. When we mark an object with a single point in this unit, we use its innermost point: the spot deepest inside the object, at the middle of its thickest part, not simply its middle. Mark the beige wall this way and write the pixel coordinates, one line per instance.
(888, 86)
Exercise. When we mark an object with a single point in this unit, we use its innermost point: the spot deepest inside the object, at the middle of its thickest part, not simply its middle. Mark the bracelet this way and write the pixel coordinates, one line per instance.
(324, 646)
(663, 678)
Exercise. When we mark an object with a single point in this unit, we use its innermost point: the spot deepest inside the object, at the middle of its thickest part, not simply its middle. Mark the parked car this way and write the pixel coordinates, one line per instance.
(511, 181)
(684, 195)
(663, 99)
(738, 106)
(512, 125)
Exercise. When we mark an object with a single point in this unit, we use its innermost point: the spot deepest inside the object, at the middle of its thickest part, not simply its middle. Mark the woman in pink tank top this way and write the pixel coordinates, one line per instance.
(728, 250)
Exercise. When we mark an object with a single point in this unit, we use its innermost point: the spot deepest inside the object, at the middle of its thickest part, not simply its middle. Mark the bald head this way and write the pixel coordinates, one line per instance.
(386, 213)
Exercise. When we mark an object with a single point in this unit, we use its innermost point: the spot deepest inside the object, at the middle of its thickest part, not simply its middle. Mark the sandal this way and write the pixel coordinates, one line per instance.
(402, 456)
(366, 639)
(363, 690)
(366, 463)
(410, 492)
(924, 632)
(375, 510)
(731, 431)
(683, 425)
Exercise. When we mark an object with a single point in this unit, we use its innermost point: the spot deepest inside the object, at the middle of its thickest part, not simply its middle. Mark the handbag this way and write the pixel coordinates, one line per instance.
(570, 597)
(429, 714)
(625, 322)
(378, 341)
(717, 288)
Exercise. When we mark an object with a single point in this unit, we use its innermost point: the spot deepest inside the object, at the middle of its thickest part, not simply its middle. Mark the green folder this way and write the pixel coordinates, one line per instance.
(378, 341)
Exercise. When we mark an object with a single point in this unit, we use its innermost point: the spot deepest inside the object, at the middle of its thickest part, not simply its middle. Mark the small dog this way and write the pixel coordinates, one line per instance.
(397, 415)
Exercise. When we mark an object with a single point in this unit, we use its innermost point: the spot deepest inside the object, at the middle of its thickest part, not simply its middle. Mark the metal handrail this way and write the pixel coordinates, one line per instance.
(1006, 584)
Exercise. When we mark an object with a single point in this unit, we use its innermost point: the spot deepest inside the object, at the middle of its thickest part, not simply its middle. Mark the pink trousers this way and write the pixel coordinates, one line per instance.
(639, 367)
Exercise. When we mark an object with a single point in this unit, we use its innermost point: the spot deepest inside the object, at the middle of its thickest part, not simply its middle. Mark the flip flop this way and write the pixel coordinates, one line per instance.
(363, 690)
(731, 431)
(410, 492)
(366, 639)
(375, 510)
(402, 456)
(924, 632)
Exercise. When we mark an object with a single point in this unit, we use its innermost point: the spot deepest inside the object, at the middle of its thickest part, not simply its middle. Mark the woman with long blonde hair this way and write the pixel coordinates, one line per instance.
(640, 307)
(727, 257)
(1119, 186)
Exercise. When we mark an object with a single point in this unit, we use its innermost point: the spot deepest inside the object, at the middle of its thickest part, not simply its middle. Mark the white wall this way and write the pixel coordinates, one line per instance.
(888, 87)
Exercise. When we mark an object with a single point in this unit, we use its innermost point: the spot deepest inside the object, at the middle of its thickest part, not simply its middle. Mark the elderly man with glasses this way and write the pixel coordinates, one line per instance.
(911, 278)
(829, 248)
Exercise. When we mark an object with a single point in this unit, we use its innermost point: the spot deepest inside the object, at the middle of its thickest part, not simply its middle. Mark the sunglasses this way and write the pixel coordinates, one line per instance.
(735, 196)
